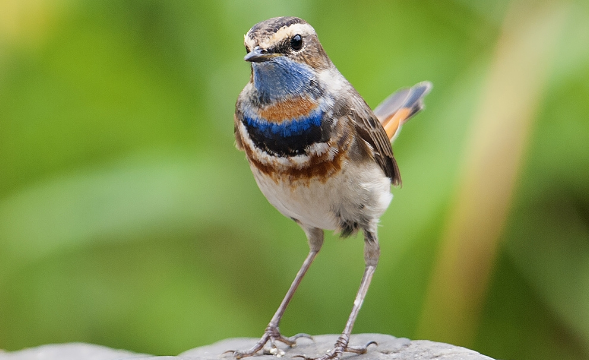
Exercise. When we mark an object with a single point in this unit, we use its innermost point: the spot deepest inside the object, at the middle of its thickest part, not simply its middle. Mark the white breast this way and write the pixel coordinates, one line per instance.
(358, 191)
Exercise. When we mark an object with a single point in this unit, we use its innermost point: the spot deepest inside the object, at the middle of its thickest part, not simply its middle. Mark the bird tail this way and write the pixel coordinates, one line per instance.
(399, 107)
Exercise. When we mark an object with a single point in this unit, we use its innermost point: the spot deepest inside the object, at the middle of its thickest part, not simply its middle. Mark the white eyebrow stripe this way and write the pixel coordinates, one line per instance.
(249, 43)
(281, 34)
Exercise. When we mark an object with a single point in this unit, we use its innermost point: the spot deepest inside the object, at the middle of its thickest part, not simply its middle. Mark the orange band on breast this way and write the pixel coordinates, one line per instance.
(288, 109)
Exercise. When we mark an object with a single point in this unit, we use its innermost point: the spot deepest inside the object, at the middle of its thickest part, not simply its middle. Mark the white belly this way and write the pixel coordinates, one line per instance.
(359, 191)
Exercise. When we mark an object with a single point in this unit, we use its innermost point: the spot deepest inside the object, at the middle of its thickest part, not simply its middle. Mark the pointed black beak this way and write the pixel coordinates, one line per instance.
(259, 55)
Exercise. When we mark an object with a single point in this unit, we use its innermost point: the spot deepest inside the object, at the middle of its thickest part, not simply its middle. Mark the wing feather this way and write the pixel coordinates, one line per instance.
(371, 131)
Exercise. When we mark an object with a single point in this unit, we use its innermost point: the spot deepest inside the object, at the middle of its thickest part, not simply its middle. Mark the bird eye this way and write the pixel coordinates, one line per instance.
(247, 50)
(296, 42)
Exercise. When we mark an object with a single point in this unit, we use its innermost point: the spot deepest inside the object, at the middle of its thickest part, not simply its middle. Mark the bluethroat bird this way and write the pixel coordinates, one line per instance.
(318, 152)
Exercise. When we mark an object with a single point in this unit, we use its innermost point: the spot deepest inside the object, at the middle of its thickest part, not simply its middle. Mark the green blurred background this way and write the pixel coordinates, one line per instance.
(128, 218)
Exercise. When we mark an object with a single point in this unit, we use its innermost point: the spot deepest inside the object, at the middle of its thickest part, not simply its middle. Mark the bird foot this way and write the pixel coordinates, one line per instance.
(341, 346)
(271, 335)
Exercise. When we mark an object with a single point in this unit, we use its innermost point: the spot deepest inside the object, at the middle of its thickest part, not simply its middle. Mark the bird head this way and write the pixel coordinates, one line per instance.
(285, 39)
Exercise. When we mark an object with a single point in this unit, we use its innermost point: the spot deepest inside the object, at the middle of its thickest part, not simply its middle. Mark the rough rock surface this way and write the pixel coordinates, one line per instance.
(389, 348)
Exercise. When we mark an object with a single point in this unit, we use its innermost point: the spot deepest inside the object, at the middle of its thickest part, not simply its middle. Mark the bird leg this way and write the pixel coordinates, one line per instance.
(272, 333)
(371, 255)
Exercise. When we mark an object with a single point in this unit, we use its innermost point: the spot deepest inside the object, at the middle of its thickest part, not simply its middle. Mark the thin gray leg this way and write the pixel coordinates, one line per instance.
(272, 333)
(371, 255)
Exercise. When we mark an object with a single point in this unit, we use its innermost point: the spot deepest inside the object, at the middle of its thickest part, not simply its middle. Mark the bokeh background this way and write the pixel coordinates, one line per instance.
(128, 218)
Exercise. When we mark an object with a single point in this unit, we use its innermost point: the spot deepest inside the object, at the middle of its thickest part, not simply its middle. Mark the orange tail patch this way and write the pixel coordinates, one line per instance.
(399, 107)
(393, 123)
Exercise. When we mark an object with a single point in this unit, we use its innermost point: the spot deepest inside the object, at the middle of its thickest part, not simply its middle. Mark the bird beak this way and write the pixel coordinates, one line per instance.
(259, 55)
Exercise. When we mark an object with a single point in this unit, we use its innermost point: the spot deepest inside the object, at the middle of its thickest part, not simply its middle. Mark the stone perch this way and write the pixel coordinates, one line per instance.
(389, 348)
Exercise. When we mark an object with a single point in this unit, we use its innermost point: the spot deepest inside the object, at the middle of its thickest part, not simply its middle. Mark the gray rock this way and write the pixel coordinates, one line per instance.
(389, 348)
(71, 351)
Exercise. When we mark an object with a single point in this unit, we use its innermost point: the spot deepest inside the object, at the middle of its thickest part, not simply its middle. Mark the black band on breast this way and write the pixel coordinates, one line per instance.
(289, 138)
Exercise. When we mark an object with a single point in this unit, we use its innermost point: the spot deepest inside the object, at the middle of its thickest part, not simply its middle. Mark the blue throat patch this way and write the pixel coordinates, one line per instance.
(281, 77)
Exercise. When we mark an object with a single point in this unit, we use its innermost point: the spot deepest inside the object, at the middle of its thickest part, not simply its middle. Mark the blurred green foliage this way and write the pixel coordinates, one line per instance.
(127, 217)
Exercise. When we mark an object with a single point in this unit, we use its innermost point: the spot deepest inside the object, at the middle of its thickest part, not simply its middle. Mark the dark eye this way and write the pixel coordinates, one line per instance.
(247, 50)
(296, 42)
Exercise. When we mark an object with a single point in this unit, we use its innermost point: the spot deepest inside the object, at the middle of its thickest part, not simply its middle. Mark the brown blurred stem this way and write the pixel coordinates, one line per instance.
(494, 156)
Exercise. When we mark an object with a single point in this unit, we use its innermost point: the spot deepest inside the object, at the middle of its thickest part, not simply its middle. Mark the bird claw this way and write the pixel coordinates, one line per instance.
(339, 349)
(360, 349)
(294, 338)
(272, 335)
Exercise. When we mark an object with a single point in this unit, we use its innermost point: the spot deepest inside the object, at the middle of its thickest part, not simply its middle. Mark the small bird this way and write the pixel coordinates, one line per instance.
(317, 151)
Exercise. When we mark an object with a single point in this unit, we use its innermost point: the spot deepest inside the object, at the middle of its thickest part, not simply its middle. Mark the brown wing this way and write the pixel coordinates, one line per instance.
(371, 131)
(380, 127)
